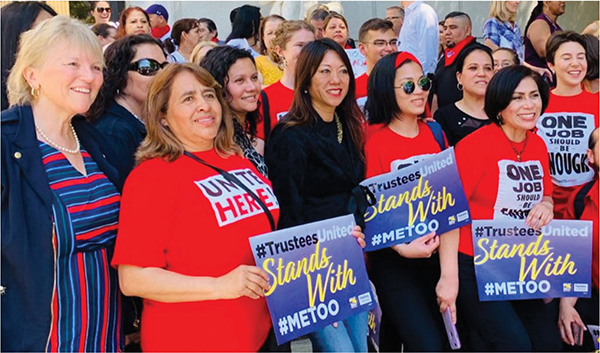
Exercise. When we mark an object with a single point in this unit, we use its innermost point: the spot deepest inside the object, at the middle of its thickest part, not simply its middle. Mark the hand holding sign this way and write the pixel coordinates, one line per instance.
(422, 247)
(249, 281)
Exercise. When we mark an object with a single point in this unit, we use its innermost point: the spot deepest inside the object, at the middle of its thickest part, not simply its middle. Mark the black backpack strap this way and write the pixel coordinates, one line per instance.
(438, 133)
(231, 178)
(579, 202)
(266, 114)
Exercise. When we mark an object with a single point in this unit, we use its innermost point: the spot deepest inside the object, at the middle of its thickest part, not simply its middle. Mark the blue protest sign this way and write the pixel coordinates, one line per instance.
(513, 261)
(317, 275)
(418, 199)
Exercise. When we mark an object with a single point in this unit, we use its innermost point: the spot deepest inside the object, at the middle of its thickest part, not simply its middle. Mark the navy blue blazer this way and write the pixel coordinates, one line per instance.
(27, 253)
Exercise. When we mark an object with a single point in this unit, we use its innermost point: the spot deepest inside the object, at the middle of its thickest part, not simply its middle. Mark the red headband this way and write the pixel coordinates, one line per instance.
(403, 56)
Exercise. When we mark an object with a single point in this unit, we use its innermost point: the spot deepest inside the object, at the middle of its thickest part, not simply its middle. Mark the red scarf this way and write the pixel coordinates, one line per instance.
(159, 32)
(450, 54)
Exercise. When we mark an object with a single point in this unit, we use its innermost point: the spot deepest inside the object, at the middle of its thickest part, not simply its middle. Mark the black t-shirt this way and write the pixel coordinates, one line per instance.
(444, 84)
(456, 123)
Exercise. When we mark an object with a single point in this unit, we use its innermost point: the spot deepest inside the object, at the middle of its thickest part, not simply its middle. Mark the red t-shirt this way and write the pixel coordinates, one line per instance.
(590, 213)
(280, 101)
(385, 150)
(490, 173)
(184, 217)
(362, 82)
(566, 127)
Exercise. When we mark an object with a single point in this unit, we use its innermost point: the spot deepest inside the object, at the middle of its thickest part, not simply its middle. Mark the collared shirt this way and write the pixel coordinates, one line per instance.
(420, 34)
(504, 35)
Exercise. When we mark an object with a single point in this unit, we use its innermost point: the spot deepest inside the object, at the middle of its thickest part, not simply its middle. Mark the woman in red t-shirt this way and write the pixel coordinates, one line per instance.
(290, 38)
(183, 232)
(570, 118)
(514, 100)
(404, 275)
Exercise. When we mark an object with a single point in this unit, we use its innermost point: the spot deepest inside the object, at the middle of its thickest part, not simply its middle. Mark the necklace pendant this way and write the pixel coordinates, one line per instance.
(519, 157)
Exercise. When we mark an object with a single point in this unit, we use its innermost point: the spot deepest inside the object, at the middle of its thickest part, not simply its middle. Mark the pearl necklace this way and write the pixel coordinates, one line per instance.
(340, 130)
(55, 145)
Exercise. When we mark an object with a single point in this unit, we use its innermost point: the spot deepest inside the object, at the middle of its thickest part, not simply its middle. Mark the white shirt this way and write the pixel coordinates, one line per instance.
(242, 43)
(420, 34)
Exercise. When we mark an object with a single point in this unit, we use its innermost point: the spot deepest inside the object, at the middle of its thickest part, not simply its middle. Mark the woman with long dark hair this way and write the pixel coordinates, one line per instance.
(245, 29)
(236, 72)
(315, 157)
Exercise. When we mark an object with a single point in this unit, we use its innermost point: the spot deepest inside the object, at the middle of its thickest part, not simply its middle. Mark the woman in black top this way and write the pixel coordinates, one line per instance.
(131, 64)
(315, 158)
(475, 68)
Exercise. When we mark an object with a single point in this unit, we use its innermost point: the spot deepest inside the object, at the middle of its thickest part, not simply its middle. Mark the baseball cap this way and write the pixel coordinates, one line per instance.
(158, 9)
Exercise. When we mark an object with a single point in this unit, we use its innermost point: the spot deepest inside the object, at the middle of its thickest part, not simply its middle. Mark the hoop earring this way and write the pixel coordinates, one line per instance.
(35, 92)
(459, 87)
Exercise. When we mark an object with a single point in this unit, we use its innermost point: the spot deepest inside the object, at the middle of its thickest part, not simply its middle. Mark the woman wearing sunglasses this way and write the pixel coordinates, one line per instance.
(131, 64)
(404, 275)
(101, 11)
(474, 69)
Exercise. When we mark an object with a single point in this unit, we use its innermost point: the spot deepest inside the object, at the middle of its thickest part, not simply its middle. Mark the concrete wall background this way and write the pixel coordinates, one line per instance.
(577, 16)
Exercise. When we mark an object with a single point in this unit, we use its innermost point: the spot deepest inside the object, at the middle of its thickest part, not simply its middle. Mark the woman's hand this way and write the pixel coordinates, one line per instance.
(540, 215)
(249, 281)
(421, 247)
(544, 72)
(359, 235)
(447, 291)
(568, 315)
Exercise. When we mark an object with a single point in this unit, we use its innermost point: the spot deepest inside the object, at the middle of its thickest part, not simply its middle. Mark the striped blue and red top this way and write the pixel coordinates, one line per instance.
(86, 298)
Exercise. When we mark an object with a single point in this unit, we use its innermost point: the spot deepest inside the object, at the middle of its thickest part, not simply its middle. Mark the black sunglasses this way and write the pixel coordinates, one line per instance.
(103, 9)
(409, 86)
(146, 67)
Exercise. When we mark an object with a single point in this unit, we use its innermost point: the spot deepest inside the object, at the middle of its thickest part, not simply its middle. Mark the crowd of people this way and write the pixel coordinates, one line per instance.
(139, 157)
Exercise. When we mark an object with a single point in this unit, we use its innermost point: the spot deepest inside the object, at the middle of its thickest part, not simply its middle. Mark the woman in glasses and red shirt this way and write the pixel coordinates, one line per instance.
(404, 275)
(131, 64)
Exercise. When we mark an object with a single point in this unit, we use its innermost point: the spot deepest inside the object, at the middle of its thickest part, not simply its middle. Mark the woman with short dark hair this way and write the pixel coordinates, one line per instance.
(315, 158)
(515, 98)
(566, 56)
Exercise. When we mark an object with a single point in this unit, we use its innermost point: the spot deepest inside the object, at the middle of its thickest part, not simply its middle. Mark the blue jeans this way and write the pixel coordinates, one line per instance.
(349, 336)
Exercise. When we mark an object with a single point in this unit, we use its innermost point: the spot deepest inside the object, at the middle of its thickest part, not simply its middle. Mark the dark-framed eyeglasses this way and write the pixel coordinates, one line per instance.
(392, 18)
(409, 86)
(146, 67)
(103, 9)
(380, 43)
